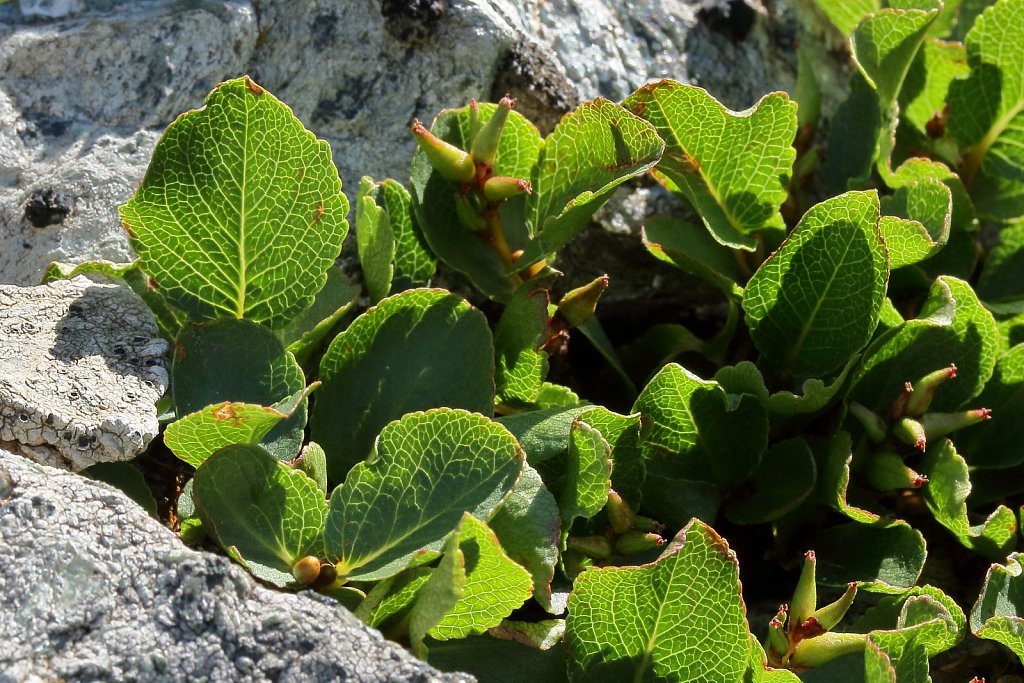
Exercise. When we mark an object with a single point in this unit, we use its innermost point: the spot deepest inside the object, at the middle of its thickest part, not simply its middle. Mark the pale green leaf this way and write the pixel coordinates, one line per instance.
(845, 15)
(987, 111)
(591, 152)
(998, 613)
(197, 436)
(923, 97)
(686, 619)
(414, 263)
(494, 585)
(946, 496)
(304, 333)
(240, 212)
(693, 249)
(375, 241)
(520, 363)
(587, 475)
(427, 470)
(733, 167)
(439, 593)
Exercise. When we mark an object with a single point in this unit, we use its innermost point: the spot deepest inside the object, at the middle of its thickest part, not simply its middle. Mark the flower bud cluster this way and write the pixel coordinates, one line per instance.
(909, 423)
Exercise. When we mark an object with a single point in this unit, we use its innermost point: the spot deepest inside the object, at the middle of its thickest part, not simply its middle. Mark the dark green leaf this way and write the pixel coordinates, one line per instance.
(271, 515)
(816, 300)
(783, 479)
(416, 350)
(241, 362)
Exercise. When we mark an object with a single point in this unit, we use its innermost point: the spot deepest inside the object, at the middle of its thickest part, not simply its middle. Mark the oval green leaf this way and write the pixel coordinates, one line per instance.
(241, 211)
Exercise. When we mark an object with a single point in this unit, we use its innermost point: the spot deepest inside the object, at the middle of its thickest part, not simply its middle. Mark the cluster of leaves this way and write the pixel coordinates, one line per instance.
(562, 537)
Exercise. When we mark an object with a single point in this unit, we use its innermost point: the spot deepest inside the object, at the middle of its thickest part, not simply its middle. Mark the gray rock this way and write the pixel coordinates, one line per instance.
(81, 369)
(93, 588)
(83, 97)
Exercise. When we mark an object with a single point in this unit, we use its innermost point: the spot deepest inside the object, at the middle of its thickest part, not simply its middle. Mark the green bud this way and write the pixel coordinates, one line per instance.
(619, 513)
(777, 643)
(887, 472)
(469, 216)
(499, 188)
(830, 615)
(922, 391)
(872, 422)
(474, 119)
(447, 159)
(938, 425)
(642, 523)
(826, 647)
(805, 597)
(635, 541)
(485, 144)
(911, 432)
(577, 306)
(596, 547)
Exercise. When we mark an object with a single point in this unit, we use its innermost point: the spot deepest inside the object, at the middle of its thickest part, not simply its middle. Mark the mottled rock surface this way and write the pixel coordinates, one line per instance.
(86, 88)
(81, 369)
(95, 589)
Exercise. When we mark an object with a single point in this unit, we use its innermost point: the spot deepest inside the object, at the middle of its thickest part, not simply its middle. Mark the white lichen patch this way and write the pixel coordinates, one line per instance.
(81, 368)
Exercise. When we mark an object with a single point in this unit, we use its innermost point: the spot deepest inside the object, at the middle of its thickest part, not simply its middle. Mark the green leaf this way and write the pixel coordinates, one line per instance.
(946, 496)
(953, 327)
(375, 241)
(923, 98)
(427, 469)
(543, 434)
(591, 152)
(433, 199)
(696, 432)
(529, 528)
(303, 334)
(390, 598)
(998, 613)
(199, 435)
(915, 170)
(587, 475)
(414, 263)
(694, 250)
(846, 15)
(987, 111)
(520, 365)
(783, 479)
(241, 211)
(500, 661)
(910, 609)
(733, 167)
(884, 555)
(494, 587)
(128, 479)
(815, 394)
(1000, 285)
(271, 515)
(439, 594)
(999, 441)
(884, 46)
(686, 619)
(800, 304)
(313, 461)
(238, 361)
(416, 350)
(848, 158)
(927, 205)
(622, 432)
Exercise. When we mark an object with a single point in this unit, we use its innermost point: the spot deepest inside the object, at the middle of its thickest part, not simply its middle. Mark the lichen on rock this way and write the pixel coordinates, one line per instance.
(81, 368)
